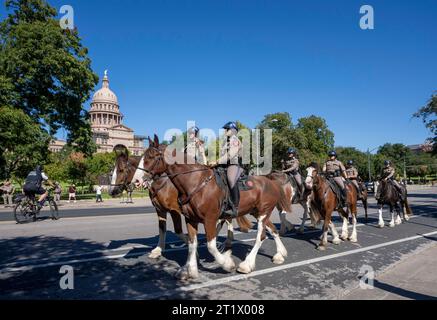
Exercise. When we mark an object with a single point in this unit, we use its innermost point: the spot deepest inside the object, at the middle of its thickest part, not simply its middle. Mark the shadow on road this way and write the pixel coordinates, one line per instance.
(101, 279)
(402, 292)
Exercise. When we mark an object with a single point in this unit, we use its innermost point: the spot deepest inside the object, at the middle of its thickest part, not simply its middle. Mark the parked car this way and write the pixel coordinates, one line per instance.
(370, 186)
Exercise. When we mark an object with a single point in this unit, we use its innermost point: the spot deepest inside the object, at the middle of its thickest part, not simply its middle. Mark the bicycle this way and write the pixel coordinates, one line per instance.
(26, 209)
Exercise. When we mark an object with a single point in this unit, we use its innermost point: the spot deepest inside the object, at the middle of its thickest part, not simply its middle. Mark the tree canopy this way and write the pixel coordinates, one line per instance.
(45, 71)
(429, 117)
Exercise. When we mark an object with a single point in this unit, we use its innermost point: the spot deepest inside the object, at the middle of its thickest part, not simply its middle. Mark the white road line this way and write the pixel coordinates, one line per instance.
(23, 266)
(276, 269)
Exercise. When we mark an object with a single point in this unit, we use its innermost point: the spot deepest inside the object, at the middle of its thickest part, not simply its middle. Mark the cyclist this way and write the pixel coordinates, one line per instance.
(33, 185)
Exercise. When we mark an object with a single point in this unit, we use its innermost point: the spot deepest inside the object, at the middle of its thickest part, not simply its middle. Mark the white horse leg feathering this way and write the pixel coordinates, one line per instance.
(190, 270)
(281, 252)
(248, 265)
(224, 260)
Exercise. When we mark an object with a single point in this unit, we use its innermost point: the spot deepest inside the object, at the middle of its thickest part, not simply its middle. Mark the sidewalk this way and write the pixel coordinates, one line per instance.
(413, 278)
(113, 203)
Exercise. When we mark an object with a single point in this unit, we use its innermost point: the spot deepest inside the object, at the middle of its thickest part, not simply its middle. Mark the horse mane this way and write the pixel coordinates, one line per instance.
(315, 165)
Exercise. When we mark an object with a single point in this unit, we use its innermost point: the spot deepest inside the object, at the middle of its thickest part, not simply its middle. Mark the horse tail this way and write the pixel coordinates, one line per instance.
(284, 201)
(244, 224)
(407, 207)
(366, 207)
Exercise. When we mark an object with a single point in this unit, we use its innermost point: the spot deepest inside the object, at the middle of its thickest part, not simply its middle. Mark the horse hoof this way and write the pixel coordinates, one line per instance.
(155, 254)
(245, 268)
(229, 264)
(391, 225)
(336, 241)
(278, 259)
(186, 274)
(321, 248)
(344, 237)
(353, 240)
(381, 226)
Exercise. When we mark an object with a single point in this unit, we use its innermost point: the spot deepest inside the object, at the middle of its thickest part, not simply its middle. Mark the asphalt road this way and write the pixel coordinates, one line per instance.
(108, 248)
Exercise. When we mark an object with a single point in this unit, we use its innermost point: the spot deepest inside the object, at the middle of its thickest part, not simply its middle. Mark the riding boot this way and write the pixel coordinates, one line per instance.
(235, 202)
(302, 192)
(344, 196)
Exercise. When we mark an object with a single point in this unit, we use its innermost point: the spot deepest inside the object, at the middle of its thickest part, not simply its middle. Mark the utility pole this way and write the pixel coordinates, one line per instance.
(368, 162)
(405, 167)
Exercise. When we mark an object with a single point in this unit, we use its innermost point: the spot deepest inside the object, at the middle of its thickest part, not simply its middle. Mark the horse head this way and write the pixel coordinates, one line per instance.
(154, 157)
(312, 172)
(124, 170)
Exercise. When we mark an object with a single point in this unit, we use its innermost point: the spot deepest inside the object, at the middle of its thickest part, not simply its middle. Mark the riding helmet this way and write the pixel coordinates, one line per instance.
(332, 154)
(230, 125)
(387, 162)
(291, 151)
(194, 130)
(350, 163)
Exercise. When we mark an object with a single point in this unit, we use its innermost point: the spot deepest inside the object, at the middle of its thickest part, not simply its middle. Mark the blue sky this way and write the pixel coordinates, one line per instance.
(215, 61)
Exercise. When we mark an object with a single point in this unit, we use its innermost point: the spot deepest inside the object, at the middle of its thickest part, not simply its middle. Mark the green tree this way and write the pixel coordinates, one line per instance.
(314, 138)
(23, 144)
(100, 164)
(359, 158)
(429, 116)
(282, 134)
(45, 71)
(397, 153)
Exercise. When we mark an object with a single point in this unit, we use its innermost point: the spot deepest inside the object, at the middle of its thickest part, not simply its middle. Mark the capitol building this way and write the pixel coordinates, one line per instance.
(107, 124)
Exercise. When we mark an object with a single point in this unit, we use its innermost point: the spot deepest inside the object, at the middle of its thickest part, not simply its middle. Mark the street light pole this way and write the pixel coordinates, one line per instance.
(368, 163)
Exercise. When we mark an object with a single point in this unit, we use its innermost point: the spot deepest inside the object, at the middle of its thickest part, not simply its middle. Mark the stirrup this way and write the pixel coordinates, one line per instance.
(230, 214)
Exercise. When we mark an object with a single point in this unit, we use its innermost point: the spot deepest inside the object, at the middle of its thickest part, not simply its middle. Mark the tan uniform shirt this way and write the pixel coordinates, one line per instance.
(290, 165)
(388, 173)
(333, 167)
(231, 151)
(352, 173)
(196, 150)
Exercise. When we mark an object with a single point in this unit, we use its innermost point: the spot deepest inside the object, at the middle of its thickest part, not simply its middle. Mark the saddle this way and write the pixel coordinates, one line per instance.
(244, 184)
(295, 186)
(337, 191)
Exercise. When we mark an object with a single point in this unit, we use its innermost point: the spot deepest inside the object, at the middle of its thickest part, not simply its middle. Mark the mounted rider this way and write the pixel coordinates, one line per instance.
(290, 166)
(34, 185)
(353, 175)
(230, 158)
(336, 171)
(388, 174)
(195, 147)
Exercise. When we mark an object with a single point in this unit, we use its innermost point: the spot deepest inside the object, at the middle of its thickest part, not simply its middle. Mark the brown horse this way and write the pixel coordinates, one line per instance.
(202, 198)
(163, 194)
(290, 191)
(324, 202)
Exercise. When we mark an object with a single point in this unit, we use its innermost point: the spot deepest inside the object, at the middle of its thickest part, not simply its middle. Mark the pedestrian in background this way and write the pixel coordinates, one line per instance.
(72, 193)
(58, 192)
(8, 192)
(99, 194)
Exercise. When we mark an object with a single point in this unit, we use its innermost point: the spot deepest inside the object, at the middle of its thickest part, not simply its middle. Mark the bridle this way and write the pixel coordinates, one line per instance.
(160, 157)
(125, 183)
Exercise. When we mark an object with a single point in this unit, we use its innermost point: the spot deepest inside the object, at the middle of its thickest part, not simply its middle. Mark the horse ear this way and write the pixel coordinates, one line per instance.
(121, 150)
(151, 144)
(156, 141)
